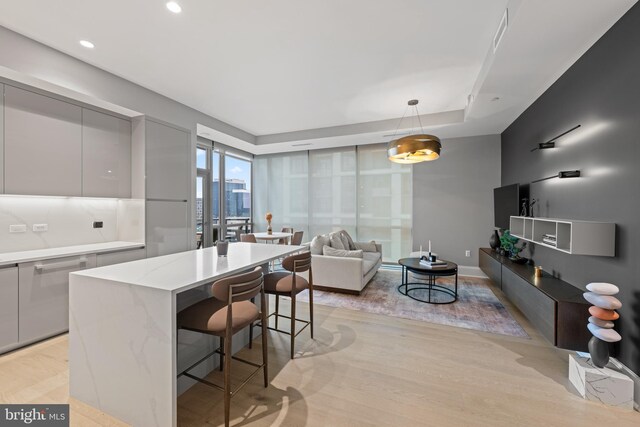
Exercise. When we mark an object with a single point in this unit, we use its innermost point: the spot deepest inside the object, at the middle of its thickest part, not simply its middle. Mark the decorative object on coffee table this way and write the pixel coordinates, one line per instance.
(601, 295)
(269, 217)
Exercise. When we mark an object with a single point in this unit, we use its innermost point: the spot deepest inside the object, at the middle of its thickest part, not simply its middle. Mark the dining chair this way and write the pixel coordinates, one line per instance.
(248, 238)
(297, 238)
(227, 312)
(285, 240)
(289, 284)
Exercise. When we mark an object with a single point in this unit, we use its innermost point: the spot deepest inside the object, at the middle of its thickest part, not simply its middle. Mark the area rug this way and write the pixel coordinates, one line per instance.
(477, 307)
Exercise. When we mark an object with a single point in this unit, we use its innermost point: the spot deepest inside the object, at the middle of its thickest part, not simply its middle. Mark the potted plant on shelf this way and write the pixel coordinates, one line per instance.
(508, 244)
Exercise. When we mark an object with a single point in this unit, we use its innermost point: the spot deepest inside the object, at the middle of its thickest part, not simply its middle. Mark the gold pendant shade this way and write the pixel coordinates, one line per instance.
(414, 149)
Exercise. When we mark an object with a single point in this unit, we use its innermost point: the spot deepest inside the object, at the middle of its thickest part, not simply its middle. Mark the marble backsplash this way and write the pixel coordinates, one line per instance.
(69, 221)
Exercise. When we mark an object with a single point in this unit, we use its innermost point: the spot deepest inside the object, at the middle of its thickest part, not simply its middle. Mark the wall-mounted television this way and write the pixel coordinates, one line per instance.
(507, 202)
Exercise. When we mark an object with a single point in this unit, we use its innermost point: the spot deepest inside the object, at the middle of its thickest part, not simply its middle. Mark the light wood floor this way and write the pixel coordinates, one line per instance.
(361, 370)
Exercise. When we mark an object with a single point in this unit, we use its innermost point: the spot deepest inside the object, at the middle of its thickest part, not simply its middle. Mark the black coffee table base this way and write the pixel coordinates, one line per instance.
(407, 288)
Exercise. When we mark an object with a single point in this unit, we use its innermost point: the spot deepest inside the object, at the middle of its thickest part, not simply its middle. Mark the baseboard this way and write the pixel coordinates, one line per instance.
(467, 270)
(636, 381)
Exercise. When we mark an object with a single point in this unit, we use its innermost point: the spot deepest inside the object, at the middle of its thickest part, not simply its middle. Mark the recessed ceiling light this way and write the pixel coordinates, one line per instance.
(87, 44)
(174, 7)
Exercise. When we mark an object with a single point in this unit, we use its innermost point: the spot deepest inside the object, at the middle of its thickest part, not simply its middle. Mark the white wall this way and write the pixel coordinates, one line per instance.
(453, 198)
(69, 221)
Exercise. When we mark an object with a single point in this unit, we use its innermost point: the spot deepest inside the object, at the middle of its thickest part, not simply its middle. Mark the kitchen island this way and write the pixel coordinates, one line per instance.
(123, 342)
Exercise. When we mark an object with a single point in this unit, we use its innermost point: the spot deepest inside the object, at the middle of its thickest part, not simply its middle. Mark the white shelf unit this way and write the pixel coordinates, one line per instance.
(572, 236)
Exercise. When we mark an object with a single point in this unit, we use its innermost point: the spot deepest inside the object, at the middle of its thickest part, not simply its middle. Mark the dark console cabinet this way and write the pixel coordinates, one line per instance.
(556, 308)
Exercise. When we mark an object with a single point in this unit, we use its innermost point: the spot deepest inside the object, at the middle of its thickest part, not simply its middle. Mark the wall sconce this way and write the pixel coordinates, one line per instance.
(552, 142)
(561, 175)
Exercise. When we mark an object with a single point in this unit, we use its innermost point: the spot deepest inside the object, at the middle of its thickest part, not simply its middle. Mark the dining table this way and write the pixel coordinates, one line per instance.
(276, 235)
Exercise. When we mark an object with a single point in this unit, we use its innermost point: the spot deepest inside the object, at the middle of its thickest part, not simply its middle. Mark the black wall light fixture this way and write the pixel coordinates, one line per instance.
(562, 175)
(552, 142)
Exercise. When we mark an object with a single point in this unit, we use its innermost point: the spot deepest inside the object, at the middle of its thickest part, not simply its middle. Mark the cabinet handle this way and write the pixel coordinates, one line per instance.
(65, 264)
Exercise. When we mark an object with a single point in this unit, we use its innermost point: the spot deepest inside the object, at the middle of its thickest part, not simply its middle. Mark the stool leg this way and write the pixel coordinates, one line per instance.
(293, 324)
(227, 379)
(311, 310)
(253, 300)
(264, 342)
(222, 350)
(277, 308)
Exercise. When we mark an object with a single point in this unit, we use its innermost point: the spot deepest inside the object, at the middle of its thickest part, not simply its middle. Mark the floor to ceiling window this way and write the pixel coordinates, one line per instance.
(237, 196)
(228, 216)
(354, 188)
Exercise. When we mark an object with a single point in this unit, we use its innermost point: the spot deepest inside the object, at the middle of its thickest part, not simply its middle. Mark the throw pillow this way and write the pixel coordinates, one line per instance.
(335, 240)
(367, 246)
(329, 251)
(317, 243)
(344, 239)
(350, 243)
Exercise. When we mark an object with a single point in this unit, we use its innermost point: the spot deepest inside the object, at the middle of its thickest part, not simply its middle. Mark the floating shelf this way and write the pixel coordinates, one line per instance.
(572, 236)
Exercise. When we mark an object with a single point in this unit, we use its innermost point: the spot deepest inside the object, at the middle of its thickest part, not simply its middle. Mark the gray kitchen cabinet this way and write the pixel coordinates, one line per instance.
(112, 258)
(106, 155)
(1, 138)
(44, 295)
(167, 228)
(43, 145)
(8, 306)
(168, 158)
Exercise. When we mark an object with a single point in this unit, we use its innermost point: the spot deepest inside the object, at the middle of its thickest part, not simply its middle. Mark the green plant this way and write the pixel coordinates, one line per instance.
(509, 242)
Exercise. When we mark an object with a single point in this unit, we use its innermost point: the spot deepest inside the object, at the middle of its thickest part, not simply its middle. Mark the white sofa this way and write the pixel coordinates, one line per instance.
(346, 274)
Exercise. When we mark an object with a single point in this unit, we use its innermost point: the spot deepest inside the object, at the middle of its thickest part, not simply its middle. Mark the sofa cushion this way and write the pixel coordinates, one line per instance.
(317, 243)
(367, 246)
(336, 240)
(349, 241)
(369, 260)
(329, 251)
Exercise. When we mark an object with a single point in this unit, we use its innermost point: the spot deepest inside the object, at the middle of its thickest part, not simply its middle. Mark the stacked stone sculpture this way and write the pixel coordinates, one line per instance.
(603, 313)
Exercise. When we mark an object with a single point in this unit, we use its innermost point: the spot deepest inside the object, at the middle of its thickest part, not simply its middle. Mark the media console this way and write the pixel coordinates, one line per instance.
(556, 308)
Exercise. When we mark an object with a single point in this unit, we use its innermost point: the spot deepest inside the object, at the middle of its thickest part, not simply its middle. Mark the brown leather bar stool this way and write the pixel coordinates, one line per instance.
(223, 315)
(289, 284)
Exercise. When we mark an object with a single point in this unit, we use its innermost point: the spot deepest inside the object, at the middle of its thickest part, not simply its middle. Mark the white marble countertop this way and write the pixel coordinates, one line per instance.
(185, 270)
(50, 253)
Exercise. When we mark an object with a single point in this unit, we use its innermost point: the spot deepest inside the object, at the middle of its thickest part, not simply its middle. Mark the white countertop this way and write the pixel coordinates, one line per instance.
(39, 254)
(186, 270)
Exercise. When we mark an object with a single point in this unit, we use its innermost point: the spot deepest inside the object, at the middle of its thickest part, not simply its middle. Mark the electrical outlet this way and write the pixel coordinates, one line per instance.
(97, 224)
(18, 228)
(40, 227)
(467, 253)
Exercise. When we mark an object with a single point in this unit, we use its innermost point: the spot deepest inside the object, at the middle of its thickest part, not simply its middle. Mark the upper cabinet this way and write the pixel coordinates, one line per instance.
(106, 155)
(168, 162)
(43, 145)
(1, 138)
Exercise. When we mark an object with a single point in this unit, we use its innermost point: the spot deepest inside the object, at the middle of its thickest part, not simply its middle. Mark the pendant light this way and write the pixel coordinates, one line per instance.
(414, 148)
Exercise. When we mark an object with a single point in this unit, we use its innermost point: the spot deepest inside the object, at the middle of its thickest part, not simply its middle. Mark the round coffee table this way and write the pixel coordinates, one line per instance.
(413, 265)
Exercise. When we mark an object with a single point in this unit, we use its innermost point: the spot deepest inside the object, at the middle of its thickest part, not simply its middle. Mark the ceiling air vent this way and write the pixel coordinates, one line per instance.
(301, 145)
(502, 28)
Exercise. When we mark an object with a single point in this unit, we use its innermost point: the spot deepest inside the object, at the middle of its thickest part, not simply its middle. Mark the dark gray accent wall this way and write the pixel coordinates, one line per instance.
(600, 92)
(453, 198)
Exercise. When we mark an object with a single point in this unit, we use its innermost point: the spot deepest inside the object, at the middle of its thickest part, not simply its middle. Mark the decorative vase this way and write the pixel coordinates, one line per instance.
(269, 229)
(222, 247)
(494, 241)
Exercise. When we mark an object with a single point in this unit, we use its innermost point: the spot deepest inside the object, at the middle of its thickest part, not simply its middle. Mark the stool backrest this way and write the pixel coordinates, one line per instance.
(248, 238)
(240, 287)
(297, 263)
(297, 237)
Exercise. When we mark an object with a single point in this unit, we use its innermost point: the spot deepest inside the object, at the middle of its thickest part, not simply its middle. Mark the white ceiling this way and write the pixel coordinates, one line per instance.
(277, 66)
